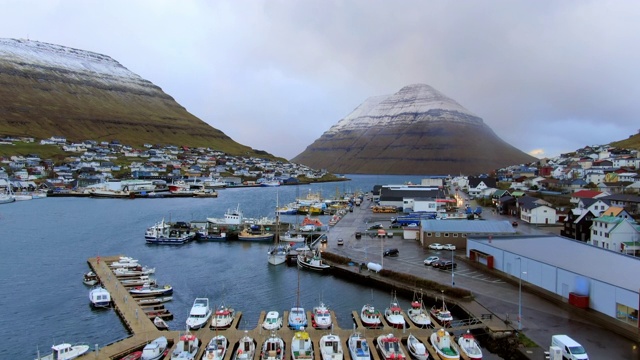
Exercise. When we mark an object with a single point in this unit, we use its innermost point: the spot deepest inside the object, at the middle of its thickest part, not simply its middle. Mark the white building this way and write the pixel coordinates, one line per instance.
(610, 232)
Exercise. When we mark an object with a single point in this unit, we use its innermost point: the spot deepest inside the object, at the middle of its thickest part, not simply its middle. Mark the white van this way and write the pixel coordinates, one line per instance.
(571, 349)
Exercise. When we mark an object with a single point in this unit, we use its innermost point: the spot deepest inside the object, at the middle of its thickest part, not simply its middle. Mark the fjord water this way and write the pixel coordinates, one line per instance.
(45, 244)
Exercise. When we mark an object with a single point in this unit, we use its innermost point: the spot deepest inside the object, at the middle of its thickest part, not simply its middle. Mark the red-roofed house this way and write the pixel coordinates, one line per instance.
(588, 194)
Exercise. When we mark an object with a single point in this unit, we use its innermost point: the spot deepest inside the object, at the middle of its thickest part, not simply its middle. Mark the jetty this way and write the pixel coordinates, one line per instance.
(142, 330)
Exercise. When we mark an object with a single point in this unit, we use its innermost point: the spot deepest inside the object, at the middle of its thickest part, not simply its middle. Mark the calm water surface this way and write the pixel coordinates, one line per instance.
(45, 244)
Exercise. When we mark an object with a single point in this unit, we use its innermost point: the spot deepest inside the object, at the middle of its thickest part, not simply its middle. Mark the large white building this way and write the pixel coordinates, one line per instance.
(582, 274)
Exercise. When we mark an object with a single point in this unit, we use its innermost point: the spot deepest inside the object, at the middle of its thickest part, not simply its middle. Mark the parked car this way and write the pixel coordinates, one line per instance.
(445, 264)
(514, 224)
(376, 227)
(340, 241)
(430, 260)
(395, 226)
(391, 252)
(358, 234)
(323, 240)
(435, 246)
(449, 247)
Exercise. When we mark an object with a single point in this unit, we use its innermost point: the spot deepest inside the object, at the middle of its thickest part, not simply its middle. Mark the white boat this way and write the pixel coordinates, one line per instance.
(389, 348)
(272, 321)
(90, 279)
(150, 290)
(155, 350)
(160, 323)
(469, 346)
(199, 314)
(65, 352)
(418, 314)
(99, 297)
(394, 315)
(124, 262)
(273, 348)
(443, 343)
(331, 348)
(370, 316)
(222, 318)
(441, 315)
(132, 272)
(270, 183)
(301, 346)
(153, 301)
(321, 317)
(297, 318)
(358, 347)
(416, 348)
(137, 281)
(246, 348)
(298, 238)
(312, 260)
(186, 348)
(216, 349)
(5, 199)
(278, 254)
(163, 233)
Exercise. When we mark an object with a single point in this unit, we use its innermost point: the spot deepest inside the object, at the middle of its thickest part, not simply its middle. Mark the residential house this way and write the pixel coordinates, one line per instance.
(577, 225)
(596, 206)
(536, 211)
(609, 232)
(616, 211)
(631, 203)
(477, 184)
(584, 194)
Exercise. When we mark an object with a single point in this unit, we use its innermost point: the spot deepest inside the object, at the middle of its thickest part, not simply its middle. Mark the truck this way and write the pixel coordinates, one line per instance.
(570, 348)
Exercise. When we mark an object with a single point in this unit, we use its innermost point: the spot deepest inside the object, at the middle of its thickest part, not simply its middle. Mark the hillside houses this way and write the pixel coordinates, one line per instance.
(105, 160)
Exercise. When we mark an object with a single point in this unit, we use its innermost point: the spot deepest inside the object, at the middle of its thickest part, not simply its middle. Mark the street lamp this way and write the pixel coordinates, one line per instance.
(519, 293)
(453, 283)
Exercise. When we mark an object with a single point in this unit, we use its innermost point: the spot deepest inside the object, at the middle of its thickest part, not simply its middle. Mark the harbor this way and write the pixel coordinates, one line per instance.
(142, 328)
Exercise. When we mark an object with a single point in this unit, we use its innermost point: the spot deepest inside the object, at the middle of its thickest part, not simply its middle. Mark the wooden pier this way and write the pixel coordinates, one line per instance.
(134, 317)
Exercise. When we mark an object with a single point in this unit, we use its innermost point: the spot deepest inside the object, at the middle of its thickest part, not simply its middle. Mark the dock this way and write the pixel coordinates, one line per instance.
(134, 317)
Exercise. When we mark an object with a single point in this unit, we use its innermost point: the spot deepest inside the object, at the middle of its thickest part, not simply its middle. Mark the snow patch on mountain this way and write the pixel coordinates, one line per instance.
(413, 103)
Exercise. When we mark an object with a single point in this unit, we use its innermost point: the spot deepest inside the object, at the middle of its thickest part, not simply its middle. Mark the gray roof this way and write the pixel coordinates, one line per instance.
(469, 226)
(599, 264)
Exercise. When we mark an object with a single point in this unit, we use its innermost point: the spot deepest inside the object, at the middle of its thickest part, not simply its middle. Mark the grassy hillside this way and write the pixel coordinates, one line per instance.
(633, 142)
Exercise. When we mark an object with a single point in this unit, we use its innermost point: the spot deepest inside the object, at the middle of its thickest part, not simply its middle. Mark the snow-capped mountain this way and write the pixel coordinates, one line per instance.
(417, 130)
(48, 89)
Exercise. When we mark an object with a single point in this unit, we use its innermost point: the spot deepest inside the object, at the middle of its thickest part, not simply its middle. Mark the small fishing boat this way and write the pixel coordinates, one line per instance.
(358, 347)
(90, 279)
(416, 348)
(138, 281)
(186, 348)
(216, 349)
(417, 313)
(370, 316)
(248, 235)
(151, 290)
(222, 317)
(331, 348)
(441, 315)
(297, 318)
(273, 348)
(133, 272)
(124, 262)
(272, 321)
(246, 348)
(100, 297)
(65, 351)
(442, 342)
(394, 315)
(160, 324)
(312, 260)
(153, 301)
(163, 233)
(136, 355)
(199, 314)
(155, 350)
(389, 348)
(321, 317)
(469, 346)
(301, 346)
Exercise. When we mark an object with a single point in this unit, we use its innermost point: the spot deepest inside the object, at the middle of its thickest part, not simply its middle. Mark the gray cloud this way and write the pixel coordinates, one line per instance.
(275, 75)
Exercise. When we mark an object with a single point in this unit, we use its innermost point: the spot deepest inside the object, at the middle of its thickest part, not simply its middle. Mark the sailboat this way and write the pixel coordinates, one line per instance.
(278, 253)
(297, 315)
(417, 313)
(441, 315)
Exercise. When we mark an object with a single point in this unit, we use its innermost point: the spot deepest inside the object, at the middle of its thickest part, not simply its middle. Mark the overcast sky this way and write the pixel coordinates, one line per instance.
(547, 76)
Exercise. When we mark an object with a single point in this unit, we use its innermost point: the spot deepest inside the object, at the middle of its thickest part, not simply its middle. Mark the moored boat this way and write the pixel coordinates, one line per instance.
(331, 348)
(65, 351)
(417, 313)
(358, 347)
(247, 235)
(389, 348)
(272, 321)
(441, 314)
(186, 348)
(124, 262)
(246, 348)
(163, 233)
(132, 272)
(393, 314)
(301, 345)
(469, 346)
(137, 281)
(442, 342)
(321, 317)
(153, 301)
(199, 314)
(100, 297)
(150, 290)
(416, 348)
(155, 350)
(297, 318)
(216, 348)
(273, 348)
(312, 260)
(370, 316)
(160, 324)
(222, 317)
(136, 355)
(90, 279)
